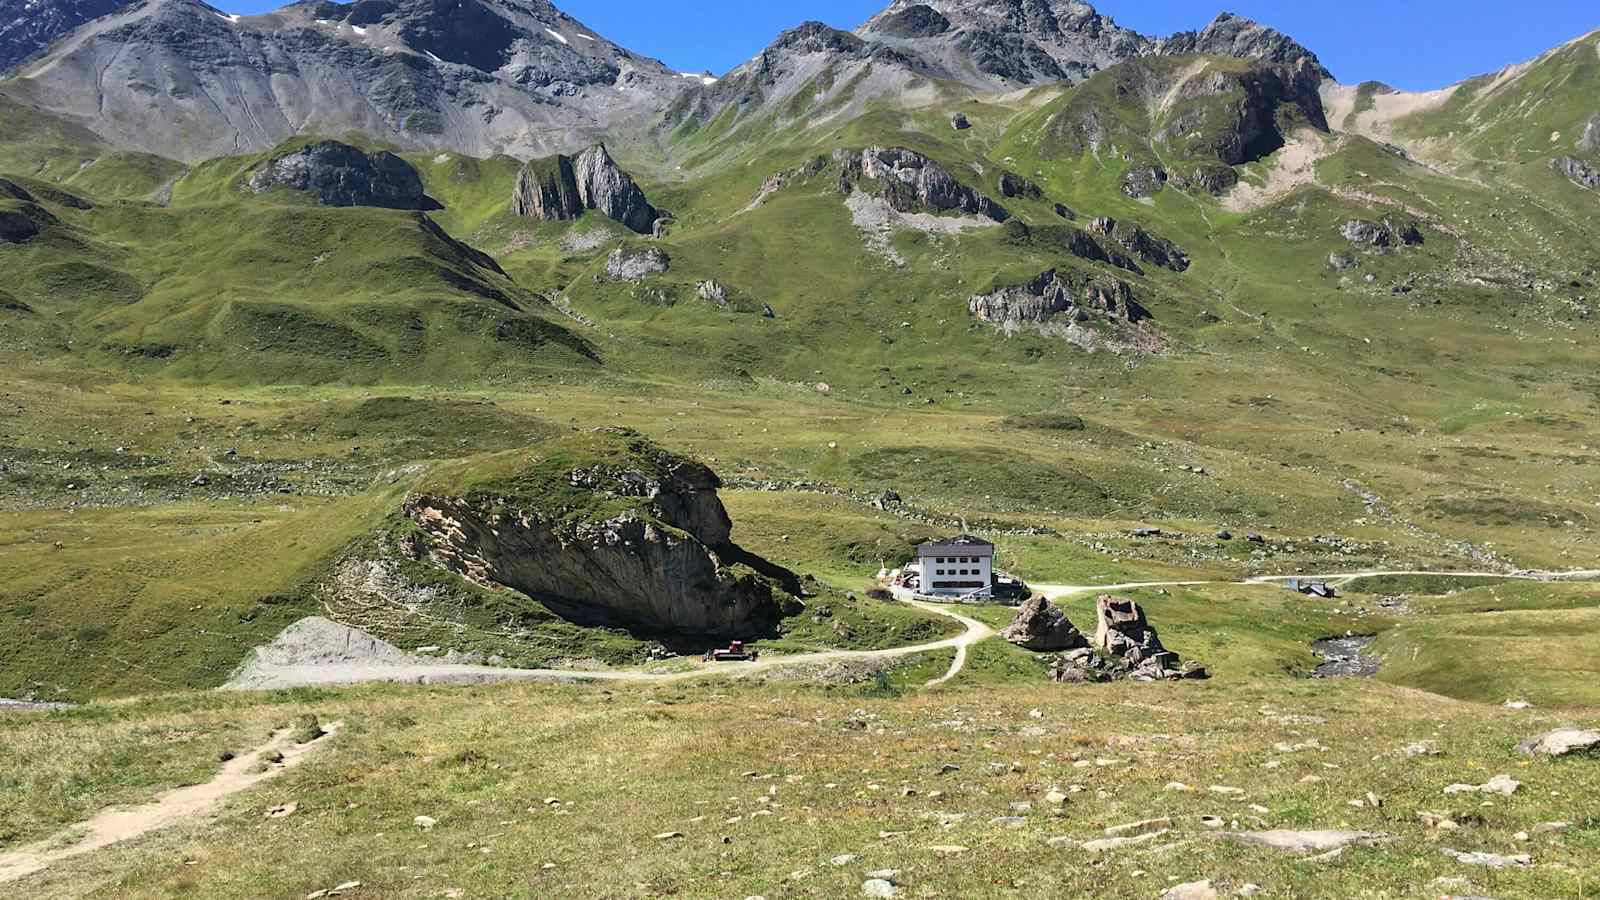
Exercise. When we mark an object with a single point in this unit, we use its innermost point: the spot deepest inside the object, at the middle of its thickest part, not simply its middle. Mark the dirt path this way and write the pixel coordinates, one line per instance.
(113, 826)
(273, 669)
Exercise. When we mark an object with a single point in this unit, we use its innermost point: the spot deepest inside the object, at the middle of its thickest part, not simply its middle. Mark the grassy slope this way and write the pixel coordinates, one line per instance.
(831, 779)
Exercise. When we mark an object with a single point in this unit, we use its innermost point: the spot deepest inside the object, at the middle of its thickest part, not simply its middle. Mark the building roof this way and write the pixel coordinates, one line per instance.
(959, 545)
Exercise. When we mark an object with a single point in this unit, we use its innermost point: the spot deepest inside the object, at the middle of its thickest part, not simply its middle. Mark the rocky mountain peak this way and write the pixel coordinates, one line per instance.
(184, 80)
(997, 43)
(1236, 36)
(27, 27)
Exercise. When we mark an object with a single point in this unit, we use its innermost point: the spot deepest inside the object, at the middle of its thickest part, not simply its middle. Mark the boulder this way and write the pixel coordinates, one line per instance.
(561, 188)
(633, 264)
(911, 183)
(1086, 309)
(1065, 212)
(337, 174)
(960, 122)
(1193, 890)
(603, 528)
(1579, 172)
(1562, 742)
(1041, 625)
(1306, 842)
(1342, 262)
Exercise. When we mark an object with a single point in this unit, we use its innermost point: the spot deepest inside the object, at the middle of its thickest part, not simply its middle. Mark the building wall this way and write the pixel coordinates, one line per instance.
(931, 579)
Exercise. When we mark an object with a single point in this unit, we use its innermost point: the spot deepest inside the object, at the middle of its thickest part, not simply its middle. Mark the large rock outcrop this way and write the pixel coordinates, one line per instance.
(1579, 172)
(1042, 626)
(1392, 231)
(605, 528)
(561, 188)
(1154, 250)
(338, 174)
(911, 182)
(1590, 141)
(1125, 645)
(1088, 310)
(633, 264)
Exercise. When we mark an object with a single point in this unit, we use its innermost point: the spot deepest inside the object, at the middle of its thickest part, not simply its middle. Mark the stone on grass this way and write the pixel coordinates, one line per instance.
(1491, 860)
(1106, 845)
(1304, 842)
(425, 823)
(878, 887)
(1504, 785)
(1561, 742)
(1194, 890)
(1136, 828)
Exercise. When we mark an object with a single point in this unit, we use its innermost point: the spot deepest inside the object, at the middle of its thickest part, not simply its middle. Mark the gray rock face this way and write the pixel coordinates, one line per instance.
(561, 188)
(911, 182)
(1590, 141)
(1058, 294)
(666, 564)
(1211, 179)
(603, 186)
(179, 79)
(341, 175)
(1041, 625)
(1144, 181)
(1581, 173)
(1142, 244)
(1393, 231)
(547, 189)
(27, 28)
(626, 264)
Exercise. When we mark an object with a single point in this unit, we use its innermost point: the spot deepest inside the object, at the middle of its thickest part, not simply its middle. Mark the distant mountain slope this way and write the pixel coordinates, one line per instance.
(181, 79)
(29, 26)
(1006, 43)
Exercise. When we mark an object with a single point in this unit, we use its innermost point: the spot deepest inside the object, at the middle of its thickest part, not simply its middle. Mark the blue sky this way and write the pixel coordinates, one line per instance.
(1416, 45)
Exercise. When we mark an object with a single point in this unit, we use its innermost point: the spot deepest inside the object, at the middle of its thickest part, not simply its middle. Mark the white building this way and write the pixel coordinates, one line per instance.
(956, 567)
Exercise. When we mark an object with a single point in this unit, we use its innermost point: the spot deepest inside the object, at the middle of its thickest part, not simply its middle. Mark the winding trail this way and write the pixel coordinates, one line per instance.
(402, 668)
(115, 825)
(276, 677)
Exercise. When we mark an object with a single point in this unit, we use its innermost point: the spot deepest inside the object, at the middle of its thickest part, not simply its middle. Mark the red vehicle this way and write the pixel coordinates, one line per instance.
(734, 652)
